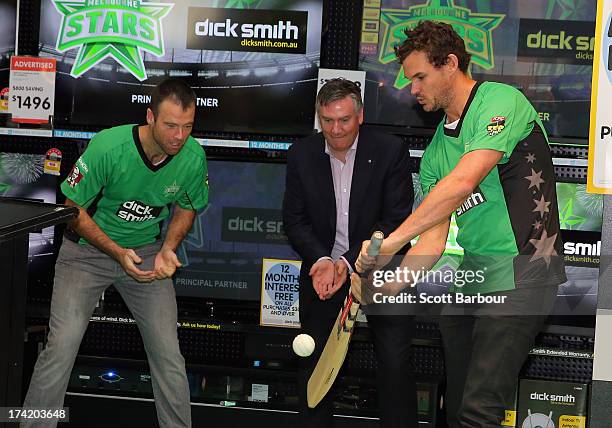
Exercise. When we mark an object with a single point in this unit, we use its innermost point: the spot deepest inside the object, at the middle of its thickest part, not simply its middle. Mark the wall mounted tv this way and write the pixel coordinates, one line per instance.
(252, 64)
(22, 176)
(580, 216)
(542, 47)
(222, 254)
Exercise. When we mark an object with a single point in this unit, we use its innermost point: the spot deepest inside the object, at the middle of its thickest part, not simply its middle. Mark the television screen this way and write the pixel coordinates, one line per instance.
(242, 224)
(580, 215)
(252, 64)
(8, 17)
(22, 176)
(543, 48)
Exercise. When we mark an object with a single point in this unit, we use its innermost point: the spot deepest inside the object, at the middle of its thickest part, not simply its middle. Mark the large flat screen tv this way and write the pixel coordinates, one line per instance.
(252, 64)
(580, 215)
(22, 176)
(222, 255)
(542, 47)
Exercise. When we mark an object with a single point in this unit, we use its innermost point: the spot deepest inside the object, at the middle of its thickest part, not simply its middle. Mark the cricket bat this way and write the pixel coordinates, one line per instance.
(336, 347)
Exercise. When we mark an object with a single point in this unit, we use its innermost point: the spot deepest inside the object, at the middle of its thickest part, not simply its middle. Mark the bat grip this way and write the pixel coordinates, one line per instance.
(373, 249)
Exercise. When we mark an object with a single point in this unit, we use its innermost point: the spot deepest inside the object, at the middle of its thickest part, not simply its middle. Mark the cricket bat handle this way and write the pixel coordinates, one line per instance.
(374, 248)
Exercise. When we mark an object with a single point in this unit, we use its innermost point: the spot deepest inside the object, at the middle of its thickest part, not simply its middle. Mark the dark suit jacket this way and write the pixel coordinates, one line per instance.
(381, 195)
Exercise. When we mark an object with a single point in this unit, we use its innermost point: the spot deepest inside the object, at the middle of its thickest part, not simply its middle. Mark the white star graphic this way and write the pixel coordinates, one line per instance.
(545, 247)
(530, 158)
(535, 179)
(537, 224)
(541, 206)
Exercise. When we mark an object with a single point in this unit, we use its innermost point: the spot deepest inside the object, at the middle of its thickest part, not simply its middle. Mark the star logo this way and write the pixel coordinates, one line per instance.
(122, 31)
(535, 179)
(545, 247)
(477, 29)
(530, 158)
(541, 206)
(537, 225)
(172, 189)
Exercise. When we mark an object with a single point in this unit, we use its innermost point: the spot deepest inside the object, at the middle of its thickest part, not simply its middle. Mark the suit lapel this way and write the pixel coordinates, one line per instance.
(325, 182)
(362, 173)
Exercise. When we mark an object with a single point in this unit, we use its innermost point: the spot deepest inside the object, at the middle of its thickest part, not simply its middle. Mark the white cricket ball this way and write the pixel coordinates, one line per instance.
(303, 345)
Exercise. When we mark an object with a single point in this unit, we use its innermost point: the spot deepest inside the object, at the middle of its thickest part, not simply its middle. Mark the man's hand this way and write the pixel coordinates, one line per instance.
(366, 263)
(340, 276)
(128, 260)
(166, 263)
(363, 290)
(322, 274)
(356, 288)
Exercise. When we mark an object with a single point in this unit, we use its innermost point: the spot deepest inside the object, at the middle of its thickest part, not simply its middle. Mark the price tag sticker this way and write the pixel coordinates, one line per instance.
(31, 89)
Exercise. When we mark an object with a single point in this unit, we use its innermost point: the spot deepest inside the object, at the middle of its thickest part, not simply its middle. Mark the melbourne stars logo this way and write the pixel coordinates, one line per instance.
(119, 29)
(172, 189)
(475, 28)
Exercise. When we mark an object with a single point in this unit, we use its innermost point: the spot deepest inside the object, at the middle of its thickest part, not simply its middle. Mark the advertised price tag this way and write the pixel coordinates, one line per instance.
(31, 89)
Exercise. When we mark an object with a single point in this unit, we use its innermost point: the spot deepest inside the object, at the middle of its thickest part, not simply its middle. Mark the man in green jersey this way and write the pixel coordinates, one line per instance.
(124, 185)
(488, 163)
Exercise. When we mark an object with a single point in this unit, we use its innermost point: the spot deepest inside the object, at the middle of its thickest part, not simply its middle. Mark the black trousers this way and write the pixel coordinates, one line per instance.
(392, 339)
(484, 349)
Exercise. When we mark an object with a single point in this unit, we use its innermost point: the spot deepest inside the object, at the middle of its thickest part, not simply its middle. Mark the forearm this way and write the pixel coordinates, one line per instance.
(418, 261)
(91, 232)
(443, 200)
(180, 224)
(448, 194)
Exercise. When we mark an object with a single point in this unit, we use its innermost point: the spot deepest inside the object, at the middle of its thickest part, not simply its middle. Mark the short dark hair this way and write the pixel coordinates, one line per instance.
(437, 40)
(175, 89)
(338, 89)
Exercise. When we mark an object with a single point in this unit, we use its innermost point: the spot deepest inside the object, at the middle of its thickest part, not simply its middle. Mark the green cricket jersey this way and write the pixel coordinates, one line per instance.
(509, 226)
(128, 196)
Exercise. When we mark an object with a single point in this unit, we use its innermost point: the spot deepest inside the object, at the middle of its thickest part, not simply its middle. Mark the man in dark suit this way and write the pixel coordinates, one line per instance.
(343, 184)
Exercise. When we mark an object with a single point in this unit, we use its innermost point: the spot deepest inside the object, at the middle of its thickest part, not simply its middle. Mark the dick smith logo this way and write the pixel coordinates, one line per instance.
(250, 30)
(582, 248)
(261, 225)
(475, 199)
(282, 30)
(120, 29)
(544, 396)
(138, 211)
(254, 224)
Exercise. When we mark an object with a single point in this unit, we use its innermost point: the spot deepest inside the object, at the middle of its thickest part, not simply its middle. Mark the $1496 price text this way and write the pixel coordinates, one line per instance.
(31, 102)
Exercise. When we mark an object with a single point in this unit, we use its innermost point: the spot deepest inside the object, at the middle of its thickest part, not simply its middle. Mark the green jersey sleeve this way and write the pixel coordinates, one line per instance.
(494, 123)
(427, 174)
(89, 174)
(195, 196)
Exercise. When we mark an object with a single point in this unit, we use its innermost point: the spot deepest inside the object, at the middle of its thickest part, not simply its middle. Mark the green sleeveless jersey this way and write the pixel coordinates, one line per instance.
(126, 195)
(509, 226)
